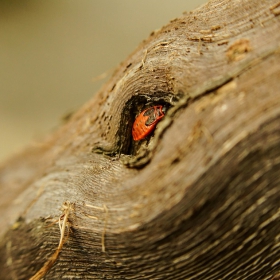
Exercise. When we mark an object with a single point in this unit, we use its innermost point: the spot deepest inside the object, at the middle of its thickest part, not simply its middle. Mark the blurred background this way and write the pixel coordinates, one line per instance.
(52, 51)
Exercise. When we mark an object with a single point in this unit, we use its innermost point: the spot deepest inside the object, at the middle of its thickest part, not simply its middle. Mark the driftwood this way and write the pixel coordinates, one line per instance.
(198, 199)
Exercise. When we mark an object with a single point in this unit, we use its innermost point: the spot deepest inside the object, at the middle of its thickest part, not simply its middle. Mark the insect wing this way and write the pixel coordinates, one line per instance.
(151, 114)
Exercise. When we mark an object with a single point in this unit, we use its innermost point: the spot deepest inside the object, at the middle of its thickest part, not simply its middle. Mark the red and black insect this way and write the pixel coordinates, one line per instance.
(146, 122)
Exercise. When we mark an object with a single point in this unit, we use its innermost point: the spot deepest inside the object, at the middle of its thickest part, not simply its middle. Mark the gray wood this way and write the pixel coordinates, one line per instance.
(199, 199)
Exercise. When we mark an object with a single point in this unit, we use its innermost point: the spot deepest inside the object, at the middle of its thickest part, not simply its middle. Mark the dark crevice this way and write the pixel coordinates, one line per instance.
(132, 109)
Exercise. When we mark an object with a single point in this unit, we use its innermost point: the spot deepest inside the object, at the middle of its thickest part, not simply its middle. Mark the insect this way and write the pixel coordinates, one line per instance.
(146, 122)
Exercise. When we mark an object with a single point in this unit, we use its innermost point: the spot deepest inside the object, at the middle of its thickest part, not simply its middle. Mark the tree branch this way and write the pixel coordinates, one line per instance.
(198, 198)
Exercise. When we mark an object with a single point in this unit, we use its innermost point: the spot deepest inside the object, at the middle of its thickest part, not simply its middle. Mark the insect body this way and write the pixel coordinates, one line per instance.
(146, 122)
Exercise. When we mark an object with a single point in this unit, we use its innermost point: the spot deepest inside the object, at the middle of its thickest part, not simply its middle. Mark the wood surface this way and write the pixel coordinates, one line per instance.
(199, 199)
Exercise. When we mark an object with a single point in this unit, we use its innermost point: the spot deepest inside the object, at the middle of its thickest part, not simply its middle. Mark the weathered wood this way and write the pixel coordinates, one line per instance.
(197, 200)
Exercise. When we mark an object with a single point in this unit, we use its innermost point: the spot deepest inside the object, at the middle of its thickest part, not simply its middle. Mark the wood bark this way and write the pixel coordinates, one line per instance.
(198, 199)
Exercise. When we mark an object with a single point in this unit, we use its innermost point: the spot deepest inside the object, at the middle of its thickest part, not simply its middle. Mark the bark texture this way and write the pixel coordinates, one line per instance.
(199, 199)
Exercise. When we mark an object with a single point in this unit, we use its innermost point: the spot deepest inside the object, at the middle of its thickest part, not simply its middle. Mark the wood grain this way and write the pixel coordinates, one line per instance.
(199, 199)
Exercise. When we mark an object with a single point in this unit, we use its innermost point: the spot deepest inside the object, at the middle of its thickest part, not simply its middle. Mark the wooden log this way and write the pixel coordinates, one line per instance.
(198, 199)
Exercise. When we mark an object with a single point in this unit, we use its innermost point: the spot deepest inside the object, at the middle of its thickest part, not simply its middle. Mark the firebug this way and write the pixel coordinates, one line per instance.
(146, 122)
